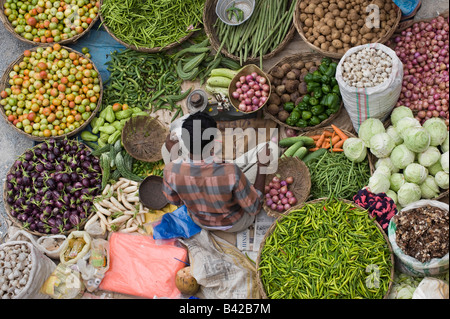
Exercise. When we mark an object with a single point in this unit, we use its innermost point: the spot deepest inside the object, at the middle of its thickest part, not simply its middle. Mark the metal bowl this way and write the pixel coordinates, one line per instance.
(247, 6)
(150, 193)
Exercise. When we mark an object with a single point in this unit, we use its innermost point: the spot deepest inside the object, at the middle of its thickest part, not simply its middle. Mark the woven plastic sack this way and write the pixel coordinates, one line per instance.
(410, 265)
(41, 268)
(373, 102)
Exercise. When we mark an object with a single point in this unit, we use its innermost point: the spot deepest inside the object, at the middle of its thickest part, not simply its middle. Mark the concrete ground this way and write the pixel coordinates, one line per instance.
(13, 144)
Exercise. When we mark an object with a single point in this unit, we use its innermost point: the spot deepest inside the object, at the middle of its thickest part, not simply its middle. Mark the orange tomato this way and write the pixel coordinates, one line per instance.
(47, 133)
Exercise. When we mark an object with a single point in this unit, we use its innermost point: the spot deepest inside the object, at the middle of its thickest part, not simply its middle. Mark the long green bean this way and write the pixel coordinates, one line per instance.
(327, 249)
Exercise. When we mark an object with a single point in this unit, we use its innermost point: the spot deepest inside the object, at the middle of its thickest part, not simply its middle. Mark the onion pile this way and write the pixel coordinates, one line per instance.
(51, 187)
(424, 50)
(252, 91)
(278, 196)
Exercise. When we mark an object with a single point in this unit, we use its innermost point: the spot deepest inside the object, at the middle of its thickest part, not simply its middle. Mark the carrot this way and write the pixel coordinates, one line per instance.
(320, 140)
(336, 150)
(327, 133)
(339, 132)
(335, 139)
(315, 137)
(313, 149)
(326, 144)
(339, 144)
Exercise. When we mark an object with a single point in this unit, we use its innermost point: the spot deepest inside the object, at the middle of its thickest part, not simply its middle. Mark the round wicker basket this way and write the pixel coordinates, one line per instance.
(248, 69)
(305, 57)
(209, 19)
(18, 223)
(10, 28)
(142, 49)
(4, 83)
(299, 26)
(143, 136)
(291, 166)
(272, 229)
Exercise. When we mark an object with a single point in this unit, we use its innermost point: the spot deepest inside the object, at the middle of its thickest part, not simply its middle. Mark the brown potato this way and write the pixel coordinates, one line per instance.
(325, 46)
(321, 39)
(285, 98)
(318, 11)
(274, 99)
(273, 109)
(346, 39)
(325, 30)
(340, 23)
(335, 34)
(309, 22)
(283, 115)
(337, 43)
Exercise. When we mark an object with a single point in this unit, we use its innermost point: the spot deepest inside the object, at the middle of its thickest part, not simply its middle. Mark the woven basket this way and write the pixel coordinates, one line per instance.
(305, 57)
(143, 136)
(209, 19)
(10, 28)
(291, 166)
(248, 69)
(18, 223)
(4, 83)
(273, 226)
(143, 49)
(299, 26)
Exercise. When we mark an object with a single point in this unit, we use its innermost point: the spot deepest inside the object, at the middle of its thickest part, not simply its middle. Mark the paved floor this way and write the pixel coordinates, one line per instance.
(13, 144)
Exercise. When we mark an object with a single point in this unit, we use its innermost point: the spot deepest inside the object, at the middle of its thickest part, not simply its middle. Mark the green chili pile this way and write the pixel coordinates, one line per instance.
(261, 33)
(329, 249)
(147, 81)
(152, 24)
(334, 175)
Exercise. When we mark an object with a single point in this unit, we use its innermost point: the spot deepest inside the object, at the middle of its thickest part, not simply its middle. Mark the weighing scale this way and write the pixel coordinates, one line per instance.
(221, 109)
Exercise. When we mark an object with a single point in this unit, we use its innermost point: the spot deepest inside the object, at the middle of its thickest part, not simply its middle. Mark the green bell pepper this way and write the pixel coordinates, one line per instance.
(336, 90)
(289, 106)
(301, 123)
(322, 117)
(331, 71)
(290, 121)
(323, 68)
(313, 101)
(326, 88)
(317, 76)
(312, 85)
(332, 100)
(326, 61)
(317, 93)
(301, 106)
(314, 121)
(306, 115)
(333, 81)
(306, 99)
(308, 78)
(295, 116)
(325, 79)
(318, 109)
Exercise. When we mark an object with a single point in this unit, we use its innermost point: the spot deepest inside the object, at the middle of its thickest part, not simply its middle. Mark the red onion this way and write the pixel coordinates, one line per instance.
(252, 91)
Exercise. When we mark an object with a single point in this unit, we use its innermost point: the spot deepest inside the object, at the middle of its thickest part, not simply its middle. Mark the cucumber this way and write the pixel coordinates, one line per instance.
(219, 81)
(292, 149)
(314, 155)
(105, 165)
(289, 141)
(224, 72)
(301, 152)
(213, 90)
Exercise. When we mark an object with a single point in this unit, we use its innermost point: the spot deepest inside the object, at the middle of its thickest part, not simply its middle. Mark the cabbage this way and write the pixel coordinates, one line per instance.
(433, 169)
(397, 180)
(444, 146)
(355, 149)
(409, 193)
(415, 173)
(393, 195)
(378, 183)
(404, 286)
(405, 124)
(381, 145)
(401, 156)
(369, 128)
(429, 188)
(400, 112)
(429, 157)
(417, 139)
(383, 169)
(392, 131)
(441, 179)
(386, 162)
(444, 161)
(437, 129)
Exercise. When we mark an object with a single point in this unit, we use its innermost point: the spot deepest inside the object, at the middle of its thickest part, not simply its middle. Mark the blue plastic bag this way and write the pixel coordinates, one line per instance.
(176, 224)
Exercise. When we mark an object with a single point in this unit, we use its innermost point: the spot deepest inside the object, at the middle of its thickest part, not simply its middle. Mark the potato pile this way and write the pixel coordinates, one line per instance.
(288, 85)
(337, 25)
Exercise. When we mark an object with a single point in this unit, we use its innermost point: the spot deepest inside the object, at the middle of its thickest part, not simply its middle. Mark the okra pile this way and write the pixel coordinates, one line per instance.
(328, 249)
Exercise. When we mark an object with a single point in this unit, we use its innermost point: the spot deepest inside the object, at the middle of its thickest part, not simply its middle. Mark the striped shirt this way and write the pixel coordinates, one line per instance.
(215, 194)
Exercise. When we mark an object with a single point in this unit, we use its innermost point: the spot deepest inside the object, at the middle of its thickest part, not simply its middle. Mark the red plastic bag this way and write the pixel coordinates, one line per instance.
(141, 267)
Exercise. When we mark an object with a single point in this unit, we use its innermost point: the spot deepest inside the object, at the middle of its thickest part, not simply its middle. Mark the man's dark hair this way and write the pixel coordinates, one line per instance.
(192, 122)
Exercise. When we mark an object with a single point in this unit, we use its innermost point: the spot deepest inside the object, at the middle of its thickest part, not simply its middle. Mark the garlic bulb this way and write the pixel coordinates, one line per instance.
(15, 267)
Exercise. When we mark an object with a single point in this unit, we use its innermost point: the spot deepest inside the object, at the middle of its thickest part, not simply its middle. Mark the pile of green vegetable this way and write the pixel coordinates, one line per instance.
(328, 249)
(323, 97)
(144, 80)
(334, 175)
(194, 61)
(261, 33)
(152, 24)
(144, 169)
(412, 159)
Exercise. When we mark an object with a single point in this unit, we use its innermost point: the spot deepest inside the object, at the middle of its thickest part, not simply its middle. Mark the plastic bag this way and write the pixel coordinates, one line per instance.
(176, 224)
(64, 283)
(373, 102)
(83, 249)
(140, 267)
(431, 288)
(410, 265)
(41, 268)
